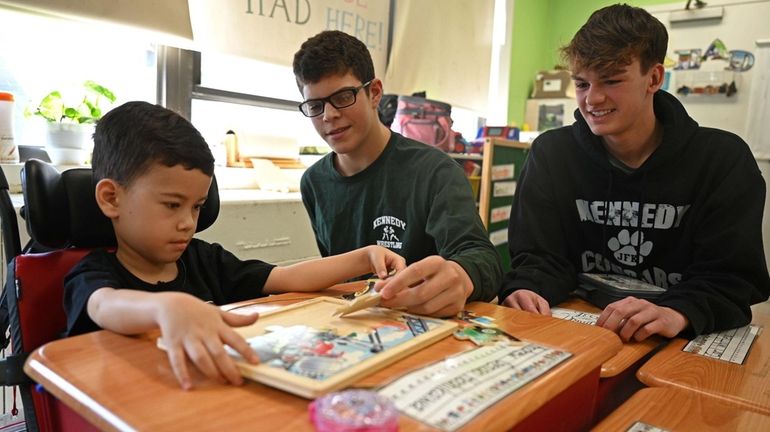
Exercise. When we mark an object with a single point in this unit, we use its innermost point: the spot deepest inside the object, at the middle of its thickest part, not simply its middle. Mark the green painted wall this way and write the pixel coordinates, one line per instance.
(540, 28)
(528, 40)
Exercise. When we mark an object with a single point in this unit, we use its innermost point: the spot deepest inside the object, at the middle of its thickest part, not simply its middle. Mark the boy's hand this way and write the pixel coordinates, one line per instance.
(528, 301)
(432, 286)
(637, 319)
(383, 260)
(196, 330)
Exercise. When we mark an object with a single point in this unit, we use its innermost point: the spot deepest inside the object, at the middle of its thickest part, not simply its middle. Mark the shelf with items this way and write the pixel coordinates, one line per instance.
(471, 164)
(500, 162)
(706, 83)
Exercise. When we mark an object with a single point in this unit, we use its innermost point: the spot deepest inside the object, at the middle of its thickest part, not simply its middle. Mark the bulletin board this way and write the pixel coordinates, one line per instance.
(503, 160)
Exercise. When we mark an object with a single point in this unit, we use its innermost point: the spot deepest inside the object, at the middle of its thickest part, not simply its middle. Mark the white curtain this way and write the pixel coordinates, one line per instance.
(168, 17)
(443, 47)
(758, 119)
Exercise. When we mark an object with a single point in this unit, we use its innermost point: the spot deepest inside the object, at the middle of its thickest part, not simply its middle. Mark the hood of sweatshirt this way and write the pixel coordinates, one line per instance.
(678, 128)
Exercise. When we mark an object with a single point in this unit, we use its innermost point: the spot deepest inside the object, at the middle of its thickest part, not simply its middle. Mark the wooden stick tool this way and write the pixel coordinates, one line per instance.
(370, 299)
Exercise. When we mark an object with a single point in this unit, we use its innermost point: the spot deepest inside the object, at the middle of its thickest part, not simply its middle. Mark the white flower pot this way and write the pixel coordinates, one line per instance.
(69, 143)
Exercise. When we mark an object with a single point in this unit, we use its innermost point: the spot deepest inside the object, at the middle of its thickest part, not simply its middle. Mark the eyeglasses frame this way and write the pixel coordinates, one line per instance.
(327, 99)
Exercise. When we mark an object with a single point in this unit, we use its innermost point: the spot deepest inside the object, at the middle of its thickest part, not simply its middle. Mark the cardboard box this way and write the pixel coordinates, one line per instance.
(544, 114)
(553, 84)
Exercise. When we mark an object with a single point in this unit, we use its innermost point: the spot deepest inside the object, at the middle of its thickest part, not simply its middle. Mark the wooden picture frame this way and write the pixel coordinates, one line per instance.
(343, 349)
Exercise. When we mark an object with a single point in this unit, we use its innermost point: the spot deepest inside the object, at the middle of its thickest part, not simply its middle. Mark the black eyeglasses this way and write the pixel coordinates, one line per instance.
(339, 99)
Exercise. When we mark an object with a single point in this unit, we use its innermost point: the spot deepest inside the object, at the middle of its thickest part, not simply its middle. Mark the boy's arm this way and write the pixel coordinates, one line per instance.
(308, 200)
(189, 327)
(466, 266)
(321, 273)
(432, 286)
(453, 221)
(637, 319)
(540, 264)
(526, 300)
(728, 272)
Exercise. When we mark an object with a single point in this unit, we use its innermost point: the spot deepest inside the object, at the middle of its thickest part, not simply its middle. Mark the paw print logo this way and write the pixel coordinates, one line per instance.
(630, 249)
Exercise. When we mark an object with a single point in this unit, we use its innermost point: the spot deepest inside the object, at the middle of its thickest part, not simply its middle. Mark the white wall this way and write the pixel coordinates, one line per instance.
(743, 23)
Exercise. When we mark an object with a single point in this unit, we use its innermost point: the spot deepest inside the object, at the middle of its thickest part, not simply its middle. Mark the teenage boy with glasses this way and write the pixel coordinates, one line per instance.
(378, 187)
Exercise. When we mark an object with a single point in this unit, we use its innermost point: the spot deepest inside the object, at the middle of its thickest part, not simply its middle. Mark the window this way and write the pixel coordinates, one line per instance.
(42, 54)
(275, 129)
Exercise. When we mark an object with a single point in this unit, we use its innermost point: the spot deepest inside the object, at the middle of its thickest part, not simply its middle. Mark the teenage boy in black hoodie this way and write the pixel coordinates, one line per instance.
(636, 187)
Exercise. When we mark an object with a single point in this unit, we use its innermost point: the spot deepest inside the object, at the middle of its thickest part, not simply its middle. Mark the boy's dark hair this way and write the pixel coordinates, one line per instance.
(613, 36)
(135, 135)
(332, 52)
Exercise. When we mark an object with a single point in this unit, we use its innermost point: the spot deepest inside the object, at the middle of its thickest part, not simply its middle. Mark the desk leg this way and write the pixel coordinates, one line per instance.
(571, 410)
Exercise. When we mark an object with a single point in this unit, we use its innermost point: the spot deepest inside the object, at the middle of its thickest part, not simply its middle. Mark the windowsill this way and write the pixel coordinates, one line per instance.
(226, 197)
(238, 196)
(230, 190)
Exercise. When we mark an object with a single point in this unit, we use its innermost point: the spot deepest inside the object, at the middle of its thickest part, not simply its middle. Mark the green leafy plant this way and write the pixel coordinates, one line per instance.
(54, 109)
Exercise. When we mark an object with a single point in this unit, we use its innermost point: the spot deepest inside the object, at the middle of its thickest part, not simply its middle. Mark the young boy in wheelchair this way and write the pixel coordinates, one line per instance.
(153, 171)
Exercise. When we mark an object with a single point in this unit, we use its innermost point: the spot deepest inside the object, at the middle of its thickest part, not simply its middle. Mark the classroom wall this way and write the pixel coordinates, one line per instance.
(529, 36)
(539, 29)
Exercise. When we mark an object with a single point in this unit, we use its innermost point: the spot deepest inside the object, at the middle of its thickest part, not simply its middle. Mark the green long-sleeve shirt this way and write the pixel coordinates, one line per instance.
(413, 200)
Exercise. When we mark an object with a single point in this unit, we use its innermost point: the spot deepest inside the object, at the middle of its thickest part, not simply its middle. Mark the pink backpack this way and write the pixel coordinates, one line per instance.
(425, 120)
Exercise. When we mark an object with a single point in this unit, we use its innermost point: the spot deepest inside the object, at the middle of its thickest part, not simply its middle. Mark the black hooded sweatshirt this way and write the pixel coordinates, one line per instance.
(688, 220)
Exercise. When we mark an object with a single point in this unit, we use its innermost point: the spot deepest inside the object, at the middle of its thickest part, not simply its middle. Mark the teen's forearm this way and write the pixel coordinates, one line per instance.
(124, 311)
(317, 274)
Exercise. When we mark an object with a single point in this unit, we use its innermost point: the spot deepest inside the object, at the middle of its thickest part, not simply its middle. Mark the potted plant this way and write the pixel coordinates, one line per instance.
(70, 124)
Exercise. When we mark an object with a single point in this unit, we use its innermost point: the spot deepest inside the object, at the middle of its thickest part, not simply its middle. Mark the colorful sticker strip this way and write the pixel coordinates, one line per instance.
(729, 345)
(448, 394)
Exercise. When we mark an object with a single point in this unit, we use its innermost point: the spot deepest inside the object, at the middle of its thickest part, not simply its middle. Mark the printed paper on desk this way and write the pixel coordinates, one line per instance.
(502, 172)
(448, 394)
(729, 345)
(576, 316)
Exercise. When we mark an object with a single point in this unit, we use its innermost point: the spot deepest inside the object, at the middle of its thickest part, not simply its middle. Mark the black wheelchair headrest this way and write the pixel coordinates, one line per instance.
(61, 210)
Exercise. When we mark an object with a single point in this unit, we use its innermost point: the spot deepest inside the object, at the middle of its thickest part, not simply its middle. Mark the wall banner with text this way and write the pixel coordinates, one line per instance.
(273, 30)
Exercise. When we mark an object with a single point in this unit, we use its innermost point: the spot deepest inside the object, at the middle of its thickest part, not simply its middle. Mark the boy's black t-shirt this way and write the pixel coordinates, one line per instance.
(206, 271)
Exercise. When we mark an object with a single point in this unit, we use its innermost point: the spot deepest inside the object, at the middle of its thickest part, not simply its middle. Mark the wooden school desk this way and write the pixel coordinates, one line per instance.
(125, 383)
(618, 381)
(746, 386)
(673, 409)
